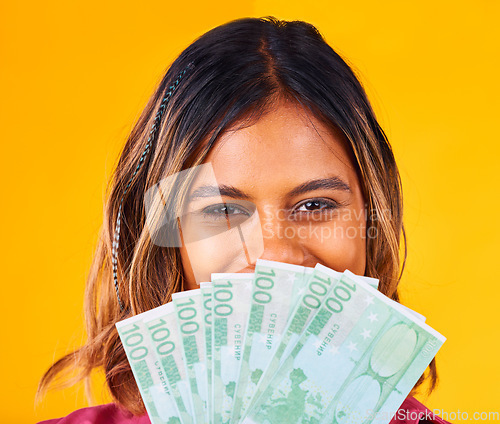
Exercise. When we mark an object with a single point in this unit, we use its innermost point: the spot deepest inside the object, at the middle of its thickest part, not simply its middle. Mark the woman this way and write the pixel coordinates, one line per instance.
(291, 138)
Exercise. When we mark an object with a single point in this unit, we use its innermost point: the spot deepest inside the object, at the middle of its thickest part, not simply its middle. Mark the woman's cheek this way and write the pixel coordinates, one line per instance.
(224, 252)
(339, 245)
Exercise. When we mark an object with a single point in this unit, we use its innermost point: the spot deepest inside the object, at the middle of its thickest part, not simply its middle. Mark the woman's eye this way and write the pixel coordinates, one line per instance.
(315, 206)
(225, 209)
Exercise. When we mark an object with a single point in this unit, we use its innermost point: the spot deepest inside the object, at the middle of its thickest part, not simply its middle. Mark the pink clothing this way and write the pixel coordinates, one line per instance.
(410, 412)
(102, 414)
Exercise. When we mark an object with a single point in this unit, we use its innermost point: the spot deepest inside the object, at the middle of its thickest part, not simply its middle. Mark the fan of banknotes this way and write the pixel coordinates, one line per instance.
(285, 344)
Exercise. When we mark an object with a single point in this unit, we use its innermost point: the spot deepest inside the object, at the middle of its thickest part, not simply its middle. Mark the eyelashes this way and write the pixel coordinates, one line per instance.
(224, 210)
(314, 207)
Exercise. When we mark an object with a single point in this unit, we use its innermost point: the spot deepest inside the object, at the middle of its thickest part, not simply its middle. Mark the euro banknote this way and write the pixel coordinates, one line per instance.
(163, 333)
(145, 363)
(189, 314)
(230, 294)
(206, 291)
(379, 351)
(285, 344)
(276, 287)
(320, 283)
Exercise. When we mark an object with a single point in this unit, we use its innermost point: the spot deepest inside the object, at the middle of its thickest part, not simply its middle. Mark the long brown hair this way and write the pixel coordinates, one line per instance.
(238, 70)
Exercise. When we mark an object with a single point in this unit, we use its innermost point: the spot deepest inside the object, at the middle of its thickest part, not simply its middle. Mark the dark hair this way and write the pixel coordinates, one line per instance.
(238, 71)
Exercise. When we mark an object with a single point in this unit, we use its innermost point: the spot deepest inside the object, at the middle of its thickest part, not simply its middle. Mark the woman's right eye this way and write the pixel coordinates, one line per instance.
(225, 210)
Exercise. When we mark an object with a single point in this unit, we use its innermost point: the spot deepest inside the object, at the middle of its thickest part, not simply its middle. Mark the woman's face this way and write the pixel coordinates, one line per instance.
(300, 179)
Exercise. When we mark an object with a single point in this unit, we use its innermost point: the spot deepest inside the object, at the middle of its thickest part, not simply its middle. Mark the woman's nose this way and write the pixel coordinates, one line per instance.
(280, 243)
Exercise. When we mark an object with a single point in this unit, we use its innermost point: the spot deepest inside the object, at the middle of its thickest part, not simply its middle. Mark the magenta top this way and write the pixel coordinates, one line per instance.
(410, 412)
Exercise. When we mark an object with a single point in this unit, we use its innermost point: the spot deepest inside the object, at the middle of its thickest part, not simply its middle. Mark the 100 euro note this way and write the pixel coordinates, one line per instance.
(316, 290)
(318, 286)
(230, 307)
(206, 292)
(276, 288)
(148, 373)
(356, 362)
(189, 312)
(162, 327)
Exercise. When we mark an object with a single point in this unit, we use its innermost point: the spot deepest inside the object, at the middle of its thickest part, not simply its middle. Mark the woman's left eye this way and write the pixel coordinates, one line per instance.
(315, 206)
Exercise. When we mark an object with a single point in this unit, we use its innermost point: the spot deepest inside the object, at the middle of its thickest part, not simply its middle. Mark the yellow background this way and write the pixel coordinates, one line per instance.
(75, 75)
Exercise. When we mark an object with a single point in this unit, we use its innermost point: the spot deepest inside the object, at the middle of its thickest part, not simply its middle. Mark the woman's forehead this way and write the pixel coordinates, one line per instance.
(285, 144)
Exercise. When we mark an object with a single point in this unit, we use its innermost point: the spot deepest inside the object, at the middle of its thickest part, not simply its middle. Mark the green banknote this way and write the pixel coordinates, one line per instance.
(319, 284)
(162, 327)
(316, 290)
(206, 291)
(356, 362)
(231, 303)
(286, 344)
(145, 364)
(276, 288)
(189, 311)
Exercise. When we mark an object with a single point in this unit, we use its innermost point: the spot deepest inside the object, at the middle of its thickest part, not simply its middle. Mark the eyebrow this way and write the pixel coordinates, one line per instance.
(221, 190)
(331, 183)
